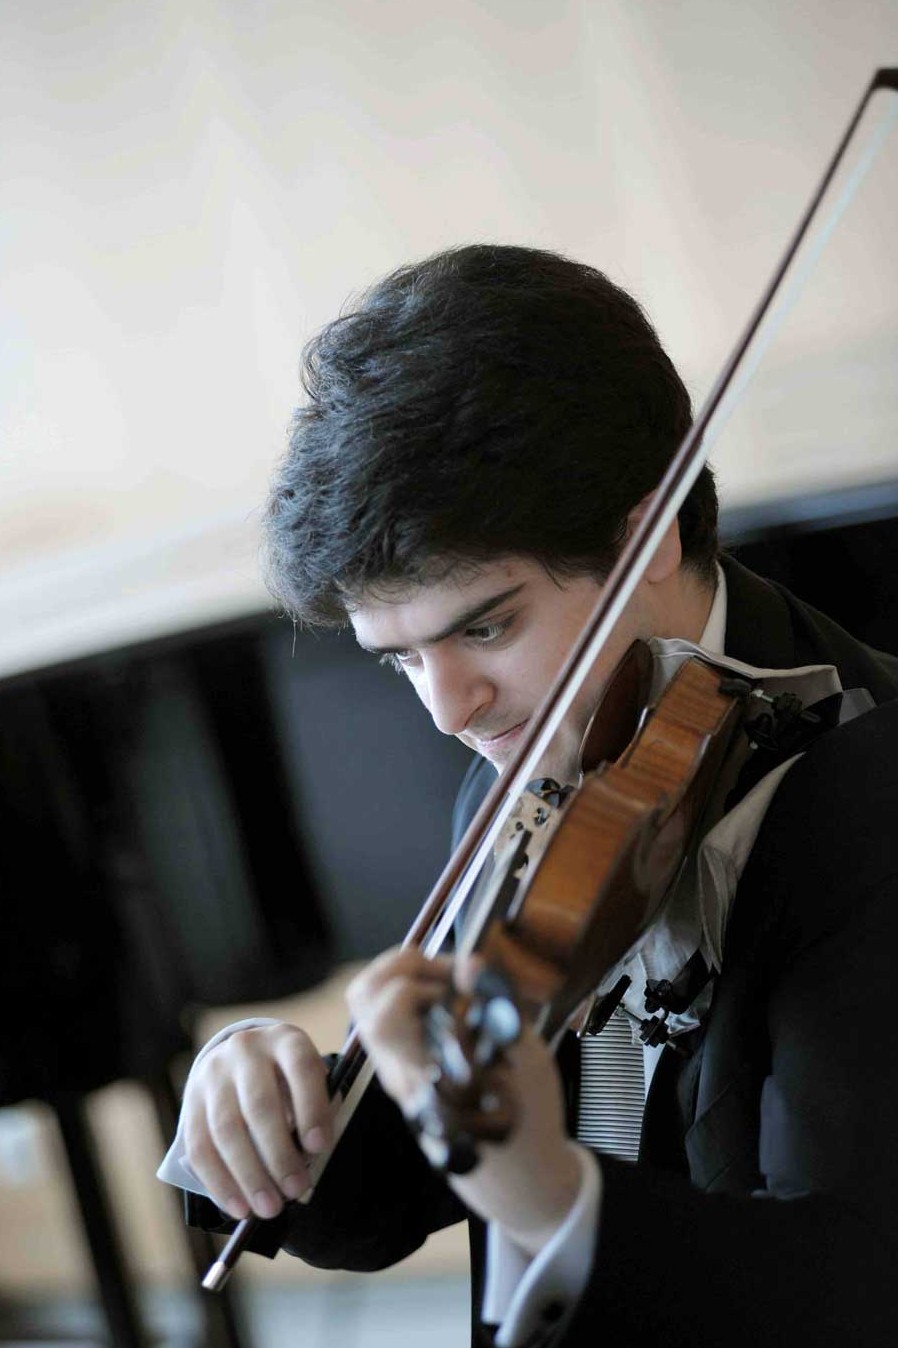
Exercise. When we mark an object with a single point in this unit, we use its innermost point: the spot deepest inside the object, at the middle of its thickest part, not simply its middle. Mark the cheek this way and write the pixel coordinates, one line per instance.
(521, 681)
(527, 676)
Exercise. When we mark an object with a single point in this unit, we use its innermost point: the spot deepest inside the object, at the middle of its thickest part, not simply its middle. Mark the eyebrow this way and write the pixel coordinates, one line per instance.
(458, 624)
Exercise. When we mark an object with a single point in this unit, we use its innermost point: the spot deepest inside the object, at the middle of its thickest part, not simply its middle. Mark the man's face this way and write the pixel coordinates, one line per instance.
(482, 646)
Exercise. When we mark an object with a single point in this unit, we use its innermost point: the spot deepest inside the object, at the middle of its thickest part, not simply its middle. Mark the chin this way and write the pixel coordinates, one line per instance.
(562, 768)
(560, 772)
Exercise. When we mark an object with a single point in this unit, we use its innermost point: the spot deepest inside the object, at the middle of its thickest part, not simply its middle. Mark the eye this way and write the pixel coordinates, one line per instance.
(401, 661)
(485, 633)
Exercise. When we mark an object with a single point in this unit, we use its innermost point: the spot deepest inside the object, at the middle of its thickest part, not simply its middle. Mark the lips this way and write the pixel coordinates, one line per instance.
(487, 745)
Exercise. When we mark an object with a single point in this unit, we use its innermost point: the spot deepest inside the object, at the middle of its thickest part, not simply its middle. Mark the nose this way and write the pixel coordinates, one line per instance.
(453, 690)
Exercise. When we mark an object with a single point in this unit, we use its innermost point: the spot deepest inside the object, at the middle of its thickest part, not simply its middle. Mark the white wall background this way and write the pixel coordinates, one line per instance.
(191, 187)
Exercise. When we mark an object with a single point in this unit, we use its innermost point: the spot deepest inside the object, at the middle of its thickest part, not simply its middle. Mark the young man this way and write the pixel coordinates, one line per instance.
(480, 435)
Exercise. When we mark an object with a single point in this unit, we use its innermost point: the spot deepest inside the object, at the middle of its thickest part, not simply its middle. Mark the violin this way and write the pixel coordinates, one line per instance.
(571, 884)
(574, 884)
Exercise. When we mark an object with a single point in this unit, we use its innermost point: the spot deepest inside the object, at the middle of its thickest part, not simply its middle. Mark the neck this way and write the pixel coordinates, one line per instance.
(685, 604)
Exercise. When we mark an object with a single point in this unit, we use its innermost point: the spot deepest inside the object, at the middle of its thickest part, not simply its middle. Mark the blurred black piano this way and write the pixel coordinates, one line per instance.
(211, 818)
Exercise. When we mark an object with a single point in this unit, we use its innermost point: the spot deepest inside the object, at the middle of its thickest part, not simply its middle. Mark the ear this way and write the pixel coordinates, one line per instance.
(668, 554)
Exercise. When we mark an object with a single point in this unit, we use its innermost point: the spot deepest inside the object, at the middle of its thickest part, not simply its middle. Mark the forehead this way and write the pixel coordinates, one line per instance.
(410, 615)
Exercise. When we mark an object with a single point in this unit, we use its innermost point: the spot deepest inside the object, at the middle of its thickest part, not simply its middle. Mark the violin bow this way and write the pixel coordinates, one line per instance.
(867, 130)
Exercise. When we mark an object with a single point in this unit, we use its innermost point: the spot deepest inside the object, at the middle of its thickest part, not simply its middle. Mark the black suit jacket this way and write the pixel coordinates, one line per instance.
(763, 1208)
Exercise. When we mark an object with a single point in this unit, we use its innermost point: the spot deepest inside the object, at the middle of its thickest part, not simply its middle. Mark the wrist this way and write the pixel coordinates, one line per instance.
(529, 1202)
(557, 1191)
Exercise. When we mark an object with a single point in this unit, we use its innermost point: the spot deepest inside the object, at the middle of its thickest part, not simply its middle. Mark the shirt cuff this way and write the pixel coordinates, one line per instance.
(174, 1169)
(524, 1295)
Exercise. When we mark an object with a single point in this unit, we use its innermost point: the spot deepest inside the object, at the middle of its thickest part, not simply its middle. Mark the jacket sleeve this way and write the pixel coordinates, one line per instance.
(809, 1256)
(377, 1201)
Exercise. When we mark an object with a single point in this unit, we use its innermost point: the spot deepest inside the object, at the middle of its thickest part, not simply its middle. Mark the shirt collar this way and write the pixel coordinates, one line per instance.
(714, 632)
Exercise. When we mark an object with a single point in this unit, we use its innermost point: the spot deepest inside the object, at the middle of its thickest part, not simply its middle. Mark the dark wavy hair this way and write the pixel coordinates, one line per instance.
(487, 401)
